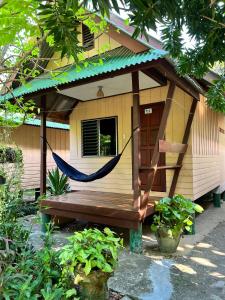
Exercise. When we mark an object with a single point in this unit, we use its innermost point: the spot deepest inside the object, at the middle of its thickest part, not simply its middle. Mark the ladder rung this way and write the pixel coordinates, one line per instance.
(161, 167)
(165, 146)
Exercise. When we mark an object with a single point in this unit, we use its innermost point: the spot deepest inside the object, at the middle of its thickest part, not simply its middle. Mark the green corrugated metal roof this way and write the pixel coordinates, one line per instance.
(74, 73)
(49, 124)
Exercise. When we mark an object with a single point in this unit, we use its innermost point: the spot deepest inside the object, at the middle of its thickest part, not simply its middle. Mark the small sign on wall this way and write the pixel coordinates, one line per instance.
(148, 111)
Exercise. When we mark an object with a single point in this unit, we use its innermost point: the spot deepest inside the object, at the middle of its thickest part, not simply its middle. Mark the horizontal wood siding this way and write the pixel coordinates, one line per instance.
(28, 139)
(103, 43)
(206, 150)
(222, 151)
(120, 179)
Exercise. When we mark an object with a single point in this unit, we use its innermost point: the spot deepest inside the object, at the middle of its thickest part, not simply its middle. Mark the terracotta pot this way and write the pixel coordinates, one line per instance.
(94, 286)
(166, 243)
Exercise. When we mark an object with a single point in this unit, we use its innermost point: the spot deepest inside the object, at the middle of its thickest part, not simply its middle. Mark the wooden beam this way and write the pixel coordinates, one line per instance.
(184, 141)
(43, 166)
(72, 108)
(155, 75)
(165, 147)
(160, 136)
(136, 141)
(169, 71)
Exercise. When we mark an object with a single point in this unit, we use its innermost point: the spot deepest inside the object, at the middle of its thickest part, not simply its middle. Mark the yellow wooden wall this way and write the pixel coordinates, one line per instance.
(208, 150)
(120, 179)
(28, 139)
(222, 151)
(103, 43)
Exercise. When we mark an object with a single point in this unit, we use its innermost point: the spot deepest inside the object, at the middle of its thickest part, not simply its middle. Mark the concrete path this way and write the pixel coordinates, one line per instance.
(195, 272)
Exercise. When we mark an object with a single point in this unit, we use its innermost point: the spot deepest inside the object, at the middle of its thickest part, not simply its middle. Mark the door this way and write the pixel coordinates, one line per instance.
(150, 118)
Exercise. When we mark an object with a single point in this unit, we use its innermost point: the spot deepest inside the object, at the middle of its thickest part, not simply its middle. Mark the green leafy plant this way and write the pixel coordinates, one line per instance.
(90, 250)
(58, 183)
(34, 275)
(173, 215)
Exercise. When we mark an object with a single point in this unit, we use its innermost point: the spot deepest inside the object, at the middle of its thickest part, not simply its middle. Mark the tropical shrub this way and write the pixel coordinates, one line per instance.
(35, 275)
(89, 250)
(173, 215)
(10, 155)
(58, 183)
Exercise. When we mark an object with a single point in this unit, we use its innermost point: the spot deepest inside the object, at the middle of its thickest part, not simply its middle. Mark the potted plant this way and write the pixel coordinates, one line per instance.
(88, 260)
(58, 183)
(172, 217)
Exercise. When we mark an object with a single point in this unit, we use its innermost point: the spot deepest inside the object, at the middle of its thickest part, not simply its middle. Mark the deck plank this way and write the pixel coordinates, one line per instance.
(100, 207)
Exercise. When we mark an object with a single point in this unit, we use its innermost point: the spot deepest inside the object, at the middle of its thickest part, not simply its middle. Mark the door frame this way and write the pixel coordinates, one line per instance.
(164, 181)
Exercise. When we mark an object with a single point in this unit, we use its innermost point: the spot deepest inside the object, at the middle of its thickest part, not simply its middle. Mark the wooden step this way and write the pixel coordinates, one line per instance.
(165, 147)
(172, 167)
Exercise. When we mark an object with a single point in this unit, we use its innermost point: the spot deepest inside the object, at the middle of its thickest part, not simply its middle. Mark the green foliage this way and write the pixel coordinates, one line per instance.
(10, 155)
(16, 113)
(89, 250)
(216, 96)
(57, 23)
(65, 34)
(174, 214)
(34, 275)
(57, 182)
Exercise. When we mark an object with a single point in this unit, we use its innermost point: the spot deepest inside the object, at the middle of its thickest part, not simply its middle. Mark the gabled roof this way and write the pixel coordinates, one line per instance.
(119, 23)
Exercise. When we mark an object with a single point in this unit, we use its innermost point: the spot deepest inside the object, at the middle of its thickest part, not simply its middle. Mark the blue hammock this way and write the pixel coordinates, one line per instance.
(76, 175)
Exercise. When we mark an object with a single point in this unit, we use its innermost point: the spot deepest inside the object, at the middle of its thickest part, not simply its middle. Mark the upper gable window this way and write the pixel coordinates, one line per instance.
(87, 38)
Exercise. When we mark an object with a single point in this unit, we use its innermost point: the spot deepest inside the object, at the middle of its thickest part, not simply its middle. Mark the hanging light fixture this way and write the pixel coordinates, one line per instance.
(100, 92)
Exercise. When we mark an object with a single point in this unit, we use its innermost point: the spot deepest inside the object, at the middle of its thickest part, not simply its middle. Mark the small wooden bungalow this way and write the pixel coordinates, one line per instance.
(178, 141)
(27, 138)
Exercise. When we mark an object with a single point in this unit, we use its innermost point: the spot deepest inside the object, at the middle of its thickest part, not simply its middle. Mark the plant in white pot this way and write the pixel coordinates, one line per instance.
(172, 217)
(88, 260)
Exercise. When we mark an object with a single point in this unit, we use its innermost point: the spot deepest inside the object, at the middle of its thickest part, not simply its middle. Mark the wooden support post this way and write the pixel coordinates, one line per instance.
(216, 200)
(43, 166)
(160, 136)
(136, 141)
(136, 243)
(223, 196)
(184, 141)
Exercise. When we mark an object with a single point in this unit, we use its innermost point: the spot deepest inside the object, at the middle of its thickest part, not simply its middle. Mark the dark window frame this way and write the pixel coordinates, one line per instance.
(99, 146)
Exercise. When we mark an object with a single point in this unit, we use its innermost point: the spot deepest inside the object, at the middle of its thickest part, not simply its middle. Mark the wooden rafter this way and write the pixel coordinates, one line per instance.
(169, 71)
(155, 75)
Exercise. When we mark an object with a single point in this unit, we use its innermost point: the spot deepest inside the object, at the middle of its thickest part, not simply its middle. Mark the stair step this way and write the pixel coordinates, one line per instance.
(161, 167)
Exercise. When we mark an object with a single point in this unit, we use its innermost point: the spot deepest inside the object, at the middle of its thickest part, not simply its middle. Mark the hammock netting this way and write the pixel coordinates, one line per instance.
(76, 175)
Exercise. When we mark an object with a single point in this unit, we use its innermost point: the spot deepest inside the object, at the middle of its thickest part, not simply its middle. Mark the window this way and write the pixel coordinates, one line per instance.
(87, 38)
(99, 137)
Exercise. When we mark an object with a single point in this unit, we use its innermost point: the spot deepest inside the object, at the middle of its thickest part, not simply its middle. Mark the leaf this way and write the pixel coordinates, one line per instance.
(70, 293)
(198, 208)
(87, 268)
(188, 228)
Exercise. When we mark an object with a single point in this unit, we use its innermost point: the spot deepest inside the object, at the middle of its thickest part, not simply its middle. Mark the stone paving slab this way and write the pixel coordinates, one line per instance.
(196, 276)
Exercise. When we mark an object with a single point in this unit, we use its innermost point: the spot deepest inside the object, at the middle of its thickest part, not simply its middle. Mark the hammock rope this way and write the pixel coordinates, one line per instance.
(76, 175)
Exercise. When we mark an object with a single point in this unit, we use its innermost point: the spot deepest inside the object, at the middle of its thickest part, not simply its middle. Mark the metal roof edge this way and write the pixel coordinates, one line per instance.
(49, 124)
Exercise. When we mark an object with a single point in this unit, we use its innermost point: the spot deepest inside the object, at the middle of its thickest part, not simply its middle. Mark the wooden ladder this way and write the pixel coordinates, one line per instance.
(162, 146)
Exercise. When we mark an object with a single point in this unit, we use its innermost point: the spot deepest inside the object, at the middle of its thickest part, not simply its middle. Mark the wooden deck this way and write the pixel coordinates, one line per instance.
(98, 207)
